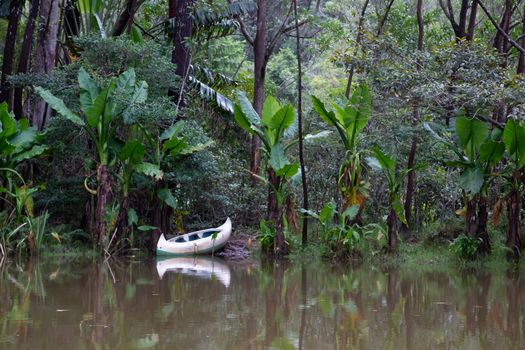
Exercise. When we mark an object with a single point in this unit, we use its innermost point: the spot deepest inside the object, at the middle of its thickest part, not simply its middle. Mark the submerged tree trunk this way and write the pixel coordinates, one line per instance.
(103, 190)
(391, 222)
(45, 54)
(25, 55)
(15, 10)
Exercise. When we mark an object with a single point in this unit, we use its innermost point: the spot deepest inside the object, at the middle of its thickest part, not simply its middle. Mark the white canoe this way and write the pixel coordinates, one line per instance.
(200, 267)
(199, 242)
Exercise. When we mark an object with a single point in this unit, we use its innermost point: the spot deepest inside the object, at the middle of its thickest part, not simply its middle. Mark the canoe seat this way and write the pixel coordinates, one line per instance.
(207, 234)
(180, 240)
(193, 237)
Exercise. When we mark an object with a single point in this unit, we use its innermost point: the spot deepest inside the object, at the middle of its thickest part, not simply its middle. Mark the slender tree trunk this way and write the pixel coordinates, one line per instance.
(15, 10)
(513, 239)
(45, 54)
(300, 122)
(357, 43)
(500, 40)
(180, 14)
(411, 177)
(125, 20)
(521, 59)
(482, 233)
(472, 20)
(382, 23)
(260, 60)
(392, 230)
(103, 190)
(471, 221)
(25, 55)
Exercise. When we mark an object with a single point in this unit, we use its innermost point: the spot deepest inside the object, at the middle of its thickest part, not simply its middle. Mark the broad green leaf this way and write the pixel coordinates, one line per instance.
(145, 228)
(351, 212)
(271, 106)
(288, 171)
(282, 120)
(471, 134)
(472, 179)
(514, 139)
(359, 107)
(397, 205)
(327, 213)
(126, 81)
(7, 121)
(133, 218)
(30, 153)
(133, 151)
(88, 84)
(174, 146)
(491, 152)
(150, 169)
(384, 161)
(59, 106)
(95, 111)
(242, 120)
(140, 94)
(277, 157)
(172, 130)
(328, 116)
(247, 109)
(167, 197)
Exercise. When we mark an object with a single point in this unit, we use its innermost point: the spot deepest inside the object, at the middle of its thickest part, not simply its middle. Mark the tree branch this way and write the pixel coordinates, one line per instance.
(500, 30)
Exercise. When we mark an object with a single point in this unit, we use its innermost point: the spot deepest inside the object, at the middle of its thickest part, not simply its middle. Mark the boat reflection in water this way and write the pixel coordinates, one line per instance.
(201, 267)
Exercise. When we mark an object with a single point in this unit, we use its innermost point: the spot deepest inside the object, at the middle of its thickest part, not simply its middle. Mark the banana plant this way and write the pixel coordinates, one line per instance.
(271, 128)
(104, 108)
(514, 140)
(349, 120)
(170, 144)
(386, 164)
(477, 150)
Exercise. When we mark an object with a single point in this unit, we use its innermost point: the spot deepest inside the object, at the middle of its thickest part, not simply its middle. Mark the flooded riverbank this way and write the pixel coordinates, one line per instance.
(204, 303)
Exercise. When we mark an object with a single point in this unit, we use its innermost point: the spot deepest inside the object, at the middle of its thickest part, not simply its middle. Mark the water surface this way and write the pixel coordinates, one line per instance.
(210, 304)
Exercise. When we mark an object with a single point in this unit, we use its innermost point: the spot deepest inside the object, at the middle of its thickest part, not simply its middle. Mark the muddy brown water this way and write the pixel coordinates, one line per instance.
(211, 304)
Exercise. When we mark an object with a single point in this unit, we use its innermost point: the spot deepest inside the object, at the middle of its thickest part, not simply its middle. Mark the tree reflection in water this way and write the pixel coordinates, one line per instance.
(74, 303)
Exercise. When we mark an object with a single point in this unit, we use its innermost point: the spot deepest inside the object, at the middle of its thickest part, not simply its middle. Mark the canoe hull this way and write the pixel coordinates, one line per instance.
(203, 243)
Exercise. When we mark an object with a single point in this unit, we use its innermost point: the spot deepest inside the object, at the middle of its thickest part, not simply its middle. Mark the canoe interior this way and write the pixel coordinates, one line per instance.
(193, 236)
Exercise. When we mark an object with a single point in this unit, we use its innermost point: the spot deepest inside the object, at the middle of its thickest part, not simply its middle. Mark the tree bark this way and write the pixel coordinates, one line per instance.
(260, 60)
(485, 246)
(471, 222)
(391, 222)
(15, 10)
(125, 20)
(180, 14)
(300, 126)
(103, 190)
(25, 55)
(411, 177)
(521, 59)
(472, 20)
(357, 43)
(45, 54)
(513, 239)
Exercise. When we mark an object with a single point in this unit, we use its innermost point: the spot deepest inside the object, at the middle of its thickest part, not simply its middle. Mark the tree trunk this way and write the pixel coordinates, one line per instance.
(472, 20)
(260, 60)
(161, 216)
(513, 239)
(15, 10)
(411, 177)
(180, 13)
(300, 127)
(45, 54)
(357, 43)
(500, 42)
(471, 221)
(103, 190)
(521, 59)
(391, 222)
(125, 20)
(25, 55)
(485, 246)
